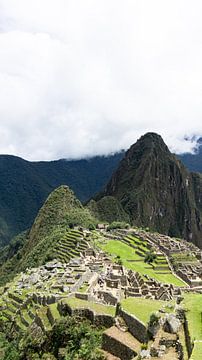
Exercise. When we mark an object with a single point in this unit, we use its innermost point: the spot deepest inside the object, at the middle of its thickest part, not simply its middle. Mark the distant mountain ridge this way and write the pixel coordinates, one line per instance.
(25, 185)
(155, 189)
(193, 162)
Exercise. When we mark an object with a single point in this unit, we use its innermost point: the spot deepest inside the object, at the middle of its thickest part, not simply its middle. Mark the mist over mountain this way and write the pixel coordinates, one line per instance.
(193, 162)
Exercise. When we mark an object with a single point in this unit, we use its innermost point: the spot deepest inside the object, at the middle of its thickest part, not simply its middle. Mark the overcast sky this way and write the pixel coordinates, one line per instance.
(86, 77)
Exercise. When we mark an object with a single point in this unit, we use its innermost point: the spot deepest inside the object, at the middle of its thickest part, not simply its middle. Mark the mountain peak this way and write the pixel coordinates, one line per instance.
(156, 190)
(148, 143)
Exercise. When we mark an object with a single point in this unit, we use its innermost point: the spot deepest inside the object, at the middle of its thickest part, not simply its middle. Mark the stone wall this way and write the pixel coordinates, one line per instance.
(108, 298)
(97, 319)
(117, 348)
(135, 326)
(188, 341)
(82, 296)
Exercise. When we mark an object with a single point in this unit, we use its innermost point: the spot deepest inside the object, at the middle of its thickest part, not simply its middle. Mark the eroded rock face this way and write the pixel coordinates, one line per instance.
(157, 191)
(172, 324)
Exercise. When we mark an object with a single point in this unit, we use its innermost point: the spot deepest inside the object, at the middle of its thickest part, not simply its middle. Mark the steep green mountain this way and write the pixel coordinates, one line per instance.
(60, 212)
(193, 162)
(25, 185)
(156, 190)
(22, 192)
(108, 209)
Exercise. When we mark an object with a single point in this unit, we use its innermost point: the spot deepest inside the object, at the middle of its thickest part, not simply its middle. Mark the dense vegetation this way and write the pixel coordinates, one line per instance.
(71, 339)
(61, 211)
(25, 185)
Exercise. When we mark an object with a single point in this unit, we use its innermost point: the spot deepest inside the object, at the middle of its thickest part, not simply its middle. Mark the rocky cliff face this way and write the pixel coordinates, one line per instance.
(157, 191)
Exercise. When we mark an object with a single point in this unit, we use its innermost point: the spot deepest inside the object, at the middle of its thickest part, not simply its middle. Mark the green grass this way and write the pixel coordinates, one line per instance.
(185, 258)
(142, 308)
(54, 311)
(98, 308)
(126, 253)
(197, 351)
(193, 303)
(84, 288)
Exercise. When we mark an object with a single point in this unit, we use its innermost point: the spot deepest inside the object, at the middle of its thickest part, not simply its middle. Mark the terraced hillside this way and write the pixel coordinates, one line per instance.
(70, 246)
(193, 305)
(34, 297)
(84, 282)
(49, 236)
(132, 252)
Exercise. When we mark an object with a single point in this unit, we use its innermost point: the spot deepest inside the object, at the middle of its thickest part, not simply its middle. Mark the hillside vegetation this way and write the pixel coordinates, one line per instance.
(61, 211)
(24, 186)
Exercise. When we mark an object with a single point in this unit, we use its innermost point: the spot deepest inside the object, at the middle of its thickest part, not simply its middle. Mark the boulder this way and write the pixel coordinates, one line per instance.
(172, 324)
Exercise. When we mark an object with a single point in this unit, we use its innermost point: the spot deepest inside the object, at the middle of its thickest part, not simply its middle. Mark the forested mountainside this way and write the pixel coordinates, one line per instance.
(25, 185)
(155, 189)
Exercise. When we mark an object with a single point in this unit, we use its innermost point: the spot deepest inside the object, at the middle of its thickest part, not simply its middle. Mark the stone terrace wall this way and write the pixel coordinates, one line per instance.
(117, 348)
(188, 341)
(108, 298)
(97, 319)
(135, 326)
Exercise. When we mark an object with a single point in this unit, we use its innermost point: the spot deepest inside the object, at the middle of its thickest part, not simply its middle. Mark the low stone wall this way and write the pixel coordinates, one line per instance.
(108, 298)
(135, 326)
(117, 348)
(183, 276)
(97, 319)
(15, 298)
(82, 296)
(84, 278)
(39, 322)
(50, 317)
(188, 341)
(44, 300)
(103, 320)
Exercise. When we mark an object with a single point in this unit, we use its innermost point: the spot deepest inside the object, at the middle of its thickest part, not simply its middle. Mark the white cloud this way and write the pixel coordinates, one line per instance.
(89, 77)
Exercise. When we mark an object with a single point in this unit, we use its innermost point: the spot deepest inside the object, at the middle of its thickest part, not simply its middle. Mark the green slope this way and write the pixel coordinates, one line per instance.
(60, 211)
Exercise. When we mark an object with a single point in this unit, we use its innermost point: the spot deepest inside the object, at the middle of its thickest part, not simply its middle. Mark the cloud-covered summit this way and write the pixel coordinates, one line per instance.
(81, 78)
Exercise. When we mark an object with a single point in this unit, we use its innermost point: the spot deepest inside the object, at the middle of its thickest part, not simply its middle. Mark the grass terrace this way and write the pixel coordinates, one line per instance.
(75, 303)
(184, 258)
(132, 260)
(193, 304)
(143, 308)
(197, 351)
(84, 288)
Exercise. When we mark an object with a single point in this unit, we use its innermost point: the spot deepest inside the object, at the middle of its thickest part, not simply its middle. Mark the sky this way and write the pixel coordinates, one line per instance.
(80, 78)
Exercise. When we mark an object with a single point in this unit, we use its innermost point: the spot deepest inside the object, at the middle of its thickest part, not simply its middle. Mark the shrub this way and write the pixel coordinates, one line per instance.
(118, 225)
(150, 257)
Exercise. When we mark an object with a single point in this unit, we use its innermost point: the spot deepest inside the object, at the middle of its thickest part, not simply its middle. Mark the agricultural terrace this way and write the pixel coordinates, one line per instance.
(75, 303)
(193, 304)
(143, 308)
(134, 259)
